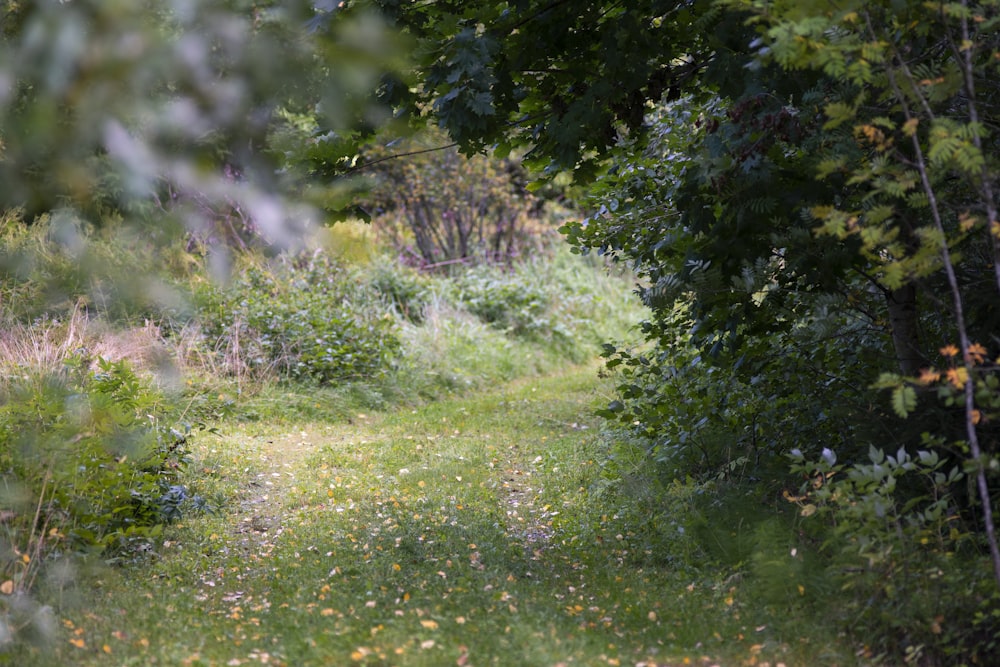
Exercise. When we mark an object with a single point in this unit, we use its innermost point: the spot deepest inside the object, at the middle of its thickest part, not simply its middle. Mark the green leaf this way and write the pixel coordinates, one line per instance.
(904, 400)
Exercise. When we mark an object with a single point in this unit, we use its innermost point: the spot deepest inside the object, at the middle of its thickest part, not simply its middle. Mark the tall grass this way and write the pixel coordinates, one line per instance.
(46, 344)
(430, 334)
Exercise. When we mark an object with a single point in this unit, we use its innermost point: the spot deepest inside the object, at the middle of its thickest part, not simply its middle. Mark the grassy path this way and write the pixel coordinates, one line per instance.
(461, 533)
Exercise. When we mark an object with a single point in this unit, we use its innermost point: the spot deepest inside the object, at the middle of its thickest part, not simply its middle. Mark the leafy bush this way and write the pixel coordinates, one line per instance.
(305, 318)
(485, 324)
(440, 208)
(511, 302)
(718, 418)
(402, 286)
(60, 262)
(549, 299)
(88, 460)
(911, 573)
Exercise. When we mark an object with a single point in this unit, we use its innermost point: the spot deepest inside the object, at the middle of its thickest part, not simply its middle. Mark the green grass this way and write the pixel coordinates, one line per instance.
(462, 532)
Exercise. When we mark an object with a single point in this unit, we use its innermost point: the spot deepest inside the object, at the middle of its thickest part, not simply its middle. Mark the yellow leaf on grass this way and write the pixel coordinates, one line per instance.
(79, 643)
(7, 587)
(429, 624)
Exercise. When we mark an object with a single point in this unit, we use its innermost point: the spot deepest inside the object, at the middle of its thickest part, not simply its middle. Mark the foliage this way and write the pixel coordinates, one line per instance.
(441, 208)
(562, 80)
(928, 203)
(89, 459)
(487, 324)
(813, 210)
(406, 289)
(164, 102)
(304, 318)
(62, 262)
(914, 578)
(511, 302)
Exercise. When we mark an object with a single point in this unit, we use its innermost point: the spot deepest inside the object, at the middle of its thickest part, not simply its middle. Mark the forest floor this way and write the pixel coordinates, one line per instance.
(464, 532)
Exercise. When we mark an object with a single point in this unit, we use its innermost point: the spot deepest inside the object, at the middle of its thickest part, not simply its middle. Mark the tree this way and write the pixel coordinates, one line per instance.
(135, 110)
(453, 209)
(928, 177)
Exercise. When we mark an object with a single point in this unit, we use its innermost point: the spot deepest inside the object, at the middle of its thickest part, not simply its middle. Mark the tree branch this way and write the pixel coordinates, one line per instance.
(394, 156)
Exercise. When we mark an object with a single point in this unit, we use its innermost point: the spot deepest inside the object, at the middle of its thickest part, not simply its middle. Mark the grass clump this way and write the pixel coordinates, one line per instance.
(92, 464)
(89, 459)
(301, 318)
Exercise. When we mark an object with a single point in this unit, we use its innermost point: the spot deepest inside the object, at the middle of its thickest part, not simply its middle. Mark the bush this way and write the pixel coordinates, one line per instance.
(303, 318)
(912, 575)
(88, 460)
(512, 302)
(401, 286)
(440, 208)
(60, 262)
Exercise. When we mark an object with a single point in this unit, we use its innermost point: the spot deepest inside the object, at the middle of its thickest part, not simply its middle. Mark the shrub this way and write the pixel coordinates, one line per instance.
(61, 262)
(911, 573)
(304, 318)
(441, 208)
(512, 302)
(402, 286)
(88, 460)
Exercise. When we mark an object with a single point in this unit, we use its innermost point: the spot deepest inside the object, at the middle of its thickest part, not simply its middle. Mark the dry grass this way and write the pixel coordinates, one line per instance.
(46, 346)
(228, 357)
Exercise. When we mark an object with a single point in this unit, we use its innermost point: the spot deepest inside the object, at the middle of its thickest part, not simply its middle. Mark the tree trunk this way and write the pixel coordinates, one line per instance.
(904, 324)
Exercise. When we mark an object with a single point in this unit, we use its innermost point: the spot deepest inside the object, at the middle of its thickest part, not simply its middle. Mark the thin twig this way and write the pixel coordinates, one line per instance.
(400, 155)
